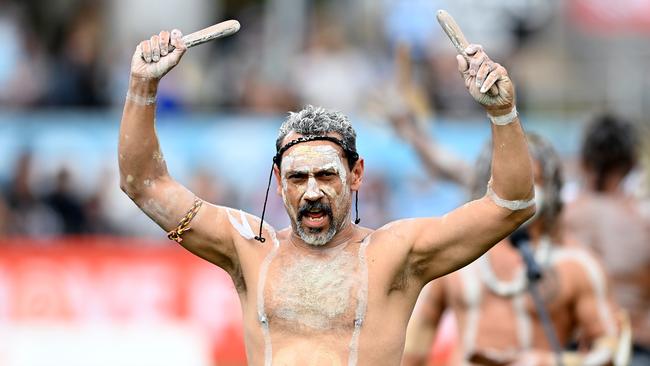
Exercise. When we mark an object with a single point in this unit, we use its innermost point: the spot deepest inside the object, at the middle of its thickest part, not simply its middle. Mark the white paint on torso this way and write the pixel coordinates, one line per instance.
(523, 321)
(313, 292)
(324, 293)
(472, 294)
(261, 281)
(596, 278)
(362, 303)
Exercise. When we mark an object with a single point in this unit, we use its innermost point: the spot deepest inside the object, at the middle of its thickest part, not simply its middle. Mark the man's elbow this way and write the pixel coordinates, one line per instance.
(128, 186)
(518, 217)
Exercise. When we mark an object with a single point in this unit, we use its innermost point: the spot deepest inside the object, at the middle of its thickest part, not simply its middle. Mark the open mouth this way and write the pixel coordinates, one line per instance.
(315, 215)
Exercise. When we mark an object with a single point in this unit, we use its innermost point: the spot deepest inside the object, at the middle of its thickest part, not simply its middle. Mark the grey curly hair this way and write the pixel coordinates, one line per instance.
(317, 121)
(542, 152)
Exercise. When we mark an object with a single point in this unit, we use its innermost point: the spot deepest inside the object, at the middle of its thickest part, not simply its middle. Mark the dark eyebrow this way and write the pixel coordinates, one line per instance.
(330, 170)
(295, 173)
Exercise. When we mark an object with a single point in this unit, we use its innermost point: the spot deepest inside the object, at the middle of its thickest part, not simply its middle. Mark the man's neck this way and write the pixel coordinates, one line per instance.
(612, 184)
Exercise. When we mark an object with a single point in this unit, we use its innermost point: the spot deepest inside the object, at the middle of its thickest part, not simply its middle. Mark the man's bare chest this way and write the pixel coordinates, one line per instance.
(306, 293)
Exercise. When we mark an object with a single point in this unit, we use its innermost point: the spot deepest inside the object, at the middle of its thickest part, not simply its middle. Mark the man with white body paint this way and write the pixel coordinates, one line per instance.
(497, 321)
(325, 291)
(611, 221)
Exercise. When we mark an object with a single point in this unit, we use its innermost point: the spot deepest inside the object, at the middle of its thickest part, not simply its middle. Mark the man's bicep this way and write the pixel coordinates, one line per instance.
(168, 202)
(445, 244)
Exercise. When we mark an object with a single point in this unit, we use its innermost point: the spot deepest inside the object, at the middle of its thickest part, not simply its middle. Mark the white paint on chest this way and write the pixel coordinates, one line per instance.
(316, 292)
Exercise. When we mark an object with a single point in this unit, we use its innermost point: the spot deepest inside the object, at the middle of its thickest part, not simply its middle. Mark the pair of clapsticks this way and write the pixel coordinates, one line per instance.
(229, 27)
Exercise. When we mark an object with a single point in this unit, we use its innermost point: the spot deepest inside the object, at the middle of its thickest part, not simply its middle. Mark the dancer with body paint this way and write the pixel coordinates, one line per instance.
(325, 291)
(496, 317)
(612, 223)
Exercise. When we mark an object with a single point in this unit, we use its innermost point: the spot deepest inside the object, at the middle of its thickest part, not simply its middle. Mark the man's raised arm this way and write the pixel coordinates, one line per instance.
(143, 172)
(443, 245)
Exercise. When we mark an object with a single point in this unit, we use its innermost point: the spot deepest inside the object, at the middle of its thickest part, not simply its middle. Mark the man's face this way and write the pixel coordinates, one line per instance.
(315, 187)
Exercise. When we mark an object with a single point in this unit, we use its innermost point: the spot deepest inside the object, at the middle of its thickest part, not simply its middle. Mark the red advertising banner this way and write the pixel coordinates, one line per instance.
(127, 302)
(120, 282)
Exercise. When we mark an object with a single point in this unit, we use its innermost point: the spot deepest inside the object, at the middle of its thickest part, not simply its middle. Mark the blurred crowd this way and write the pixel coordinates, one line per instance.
(73, 53)
(348, 56)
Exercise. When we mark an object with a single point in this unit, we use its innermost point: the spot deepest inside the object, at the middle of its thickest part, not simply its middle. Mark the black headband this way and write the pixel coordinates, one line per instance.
(350, 154)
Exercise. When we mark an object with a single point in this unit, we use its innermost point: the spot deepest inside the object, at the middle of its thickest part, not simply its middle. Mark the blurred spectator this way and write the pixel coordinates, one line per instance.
(75, 78)
(22, 64)
(608, 219)
(29, 216)
(331, 72)
(211, 189)
(66, 204)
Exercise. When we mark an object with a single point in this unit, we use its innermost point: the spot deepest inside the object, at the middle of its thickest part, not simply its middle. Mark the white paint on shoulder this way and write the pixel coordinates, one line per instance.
(596, 278)
(242, 226)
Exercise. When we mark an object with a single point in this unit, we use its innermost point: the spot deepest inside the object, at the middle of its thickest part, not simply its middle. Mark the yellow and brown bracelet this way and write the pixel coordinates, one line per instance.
(184, 224)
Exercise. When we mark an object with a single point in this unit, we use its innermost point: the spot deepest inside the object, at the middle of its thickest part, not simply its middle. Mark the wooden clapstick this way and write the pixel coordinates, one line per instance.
(458, 39)
(218, 30)
(453, 31)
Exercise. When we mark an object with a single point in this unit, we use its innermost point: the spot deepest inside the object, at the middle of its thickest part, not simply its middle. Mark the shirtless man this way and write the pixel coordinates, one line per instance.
(610, 221)
(497, 320)
(324, 291)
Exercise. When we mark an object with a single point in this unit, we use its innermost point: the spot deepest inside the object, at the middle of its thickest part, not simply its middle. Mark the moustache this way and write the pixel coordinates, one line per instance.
(305, 208)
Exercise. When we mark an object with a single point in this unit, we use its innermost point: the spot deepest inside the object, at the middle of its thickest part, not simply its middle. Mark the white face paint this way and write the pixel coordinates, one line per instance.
(315, 173)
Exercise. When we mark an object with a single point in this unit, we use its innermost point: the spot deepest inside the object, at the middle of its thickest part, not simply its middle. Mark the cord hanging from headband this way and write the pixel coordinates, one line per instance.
(351, 155)
(357, 220)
